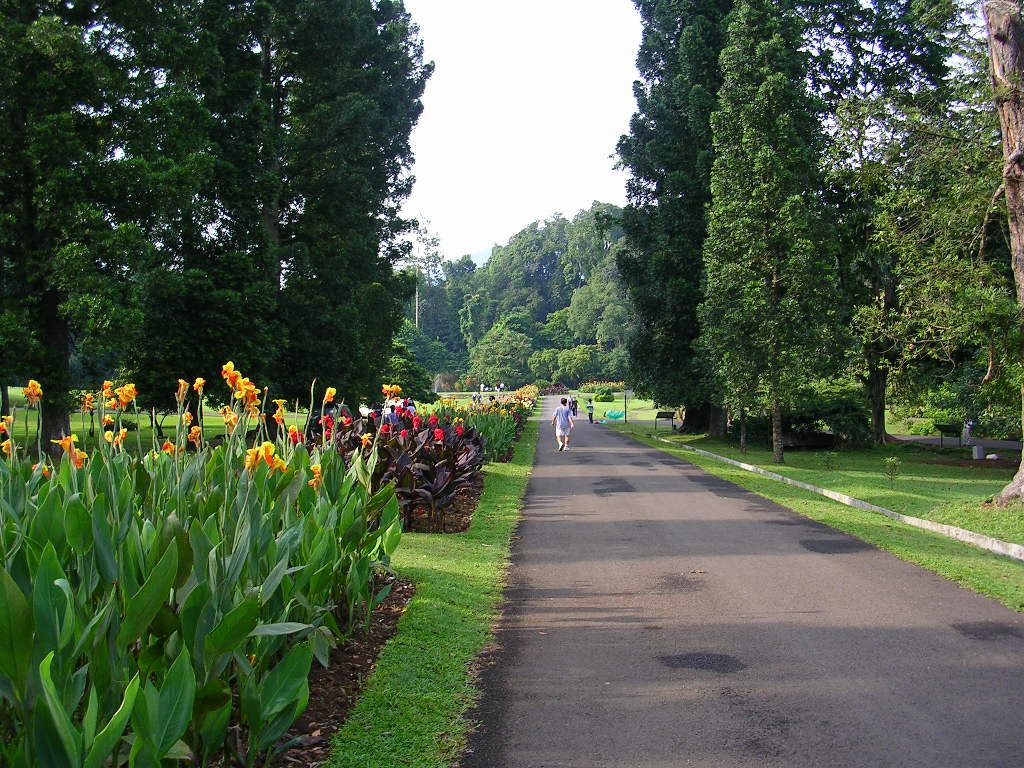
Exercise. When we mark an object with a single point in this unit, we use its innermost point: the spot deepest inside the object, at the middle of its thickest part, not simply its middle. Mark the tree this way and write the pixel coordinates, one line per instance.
(501, 356)
(769, 276)
(1006, 53)
(668, 152)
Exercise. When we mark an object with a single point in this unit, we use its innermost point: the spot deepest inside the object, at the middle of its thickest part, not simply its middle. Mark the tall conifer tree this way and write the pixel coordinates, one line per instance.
(769, 280)
(668, 152)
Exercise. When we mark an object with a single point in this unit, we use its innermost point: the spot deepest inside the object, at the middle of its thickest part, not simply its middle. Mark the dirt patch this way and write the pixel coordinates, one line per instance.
(459, 515)
(335, 690)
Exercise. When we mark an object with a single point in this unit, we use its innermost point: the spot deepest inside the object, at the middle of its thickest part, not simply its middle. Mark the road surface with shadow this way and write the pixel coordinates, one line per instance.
(657, 616)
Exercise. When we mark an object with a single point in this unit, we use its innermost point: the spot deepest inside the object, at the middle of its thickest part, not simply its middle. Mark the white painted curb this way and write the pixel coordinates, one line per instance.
(1000, 547)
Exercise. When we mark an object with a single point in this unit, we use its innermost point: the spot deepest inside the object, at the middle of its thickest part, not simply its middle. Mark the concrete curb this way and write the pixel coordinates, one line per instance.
(998, 546)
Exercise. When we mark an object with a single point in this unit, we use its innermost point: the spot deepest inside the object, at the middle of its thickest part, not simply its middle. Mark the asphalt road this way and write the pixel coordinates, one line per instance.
(657, 616)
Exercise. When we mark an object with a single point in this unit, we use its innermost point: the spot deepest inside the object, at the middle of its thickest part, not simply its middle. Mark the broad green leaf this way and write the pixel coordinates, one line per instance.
(280, 628)
(47, 598)
(233, 628)
(176, 699)
(70, 740)
(283, 686)
(142, 607)
(78, 524)
(15, 632)
(108, 738)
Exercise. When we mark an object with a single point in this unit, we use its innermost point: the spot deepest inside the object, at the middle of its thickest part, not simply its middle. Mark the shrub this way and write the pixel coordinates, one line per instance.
(154, 605)
(604, 397)
(840, 407)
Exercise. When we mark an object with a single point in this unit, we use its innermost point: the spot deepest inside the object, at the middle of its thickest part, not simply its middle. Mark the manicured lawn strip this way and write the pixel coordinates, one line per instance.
(939, 492)
(998, 577)
(637, 408)
(411, 713)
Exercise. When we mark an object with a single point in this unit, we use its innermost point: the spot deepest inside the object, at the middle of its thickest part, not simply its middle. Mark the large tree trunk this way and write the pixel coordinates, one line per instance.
(777, 454)
(743, 430)
(1006, 55)
(878, 380)
(717, 421)
(57, 348)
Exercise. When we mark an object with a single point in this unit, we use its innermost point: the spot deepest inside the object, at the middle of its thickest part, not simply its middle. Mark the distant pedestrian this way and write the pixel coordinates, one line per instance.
(563, 423)
(574, 404)
(590, 409)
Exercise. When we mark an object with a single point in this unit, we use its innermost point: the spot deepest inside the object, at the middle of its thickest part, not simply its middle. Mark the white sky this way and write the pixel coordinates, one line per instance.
(522, 114)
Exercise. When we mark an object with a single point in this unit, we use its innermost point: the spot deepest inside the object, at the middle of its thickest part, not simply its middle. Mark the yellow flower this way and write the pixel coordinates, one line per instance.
(5, 425)
(195, 435)
(107, 420)
(199, 384)
(279, 465)
(182, 391)
(229, 374)
(112, 403)
(281, 403)
(5, 446)
(78, 458)
(279, 413)
(108, 389)
(318, 478)
(229, 416)
(367, 438)
(45, 469)
(67, 443)
(115, 438)
(329, 395)
(109, 436)
(33, 392)
(88, 402)
(127, 394)
(186, 418)
(168, 447)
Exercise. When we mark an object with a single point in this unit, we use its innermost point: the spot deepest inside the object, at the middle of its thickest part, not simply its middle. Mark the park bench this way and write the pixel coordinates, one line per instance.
(950, 430)
(665, 415)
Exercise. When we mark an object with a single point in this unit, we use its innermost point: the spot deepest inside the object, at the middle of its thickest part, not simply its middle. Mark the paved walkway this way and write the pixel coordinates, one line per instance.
(658, 616)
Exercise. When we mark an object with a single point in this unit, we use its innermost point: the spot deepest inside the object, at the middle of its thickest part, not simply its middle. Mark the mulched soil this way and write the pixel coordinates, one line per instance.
(458, 517)
(335, 690)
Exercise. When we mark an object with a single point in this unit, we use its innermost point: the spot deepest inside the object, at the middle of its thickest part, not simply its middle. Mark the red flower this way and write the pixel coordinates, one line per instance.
(404, 433)
(417, 422)
(296, 437)
(385, 429)
(327, 421)
(432, 420)
(347, 420)
(439, 435)
(459, 430)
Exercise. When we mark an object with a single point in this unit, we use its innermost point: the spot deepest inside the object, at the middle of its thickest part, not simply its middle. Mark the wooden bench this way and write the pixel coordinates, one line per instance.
(951, 430)
(670, 415)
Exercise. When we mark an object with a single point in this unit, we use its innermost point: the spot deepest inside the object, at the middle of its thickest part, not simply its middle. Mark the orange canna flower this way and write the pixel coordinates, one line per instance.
(67, 443)
(367, 438)
(45, 469)
(186, 418)
(195, 435)
(5, 446)
(33, 392)
(113, 403)
(199, 384)
(229, 374)
(279, 465)
(229, 416)
(127, 394)
(182, 391)
(108, 389)
(78, 458)
(107, 420)
(318, 478)
(88, 402)
(329, 395)
(115, 438)
(5, 425)
(168, 447)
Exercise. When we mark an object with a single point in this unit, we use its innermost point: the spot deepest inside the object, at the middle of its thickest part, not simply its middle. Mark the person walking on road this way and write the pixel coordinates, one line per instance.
(563, 423)
(590, 409)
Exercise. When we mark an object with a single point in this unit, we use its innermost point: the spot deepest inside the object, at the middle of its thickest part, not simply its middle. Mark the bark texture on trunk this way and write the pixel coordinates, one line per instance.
(878, 381)
(716, 421)
(777, 453)
(743, 430)
(57, 344)
(1006, 56)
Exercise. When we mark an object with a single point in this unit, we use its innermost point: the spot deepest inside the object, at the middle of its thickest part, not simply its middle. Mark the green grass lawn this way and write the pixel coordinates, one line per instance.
(412, 711)
(924, 488)
(946, 494)
(636, 408)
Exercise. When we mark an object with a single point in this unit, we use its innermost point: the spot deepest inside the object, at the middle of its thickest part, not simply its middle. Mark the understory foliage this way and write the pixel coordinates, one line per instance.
(169, 606)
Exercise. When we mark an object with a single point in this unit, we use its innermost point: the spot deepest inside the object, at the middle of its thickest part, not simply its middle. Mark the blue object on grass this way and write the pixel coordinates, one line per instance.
(615, 415)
